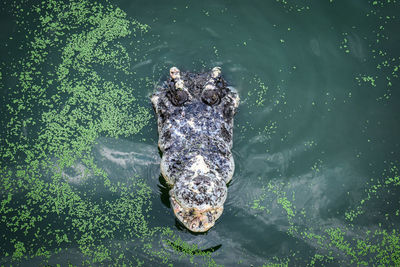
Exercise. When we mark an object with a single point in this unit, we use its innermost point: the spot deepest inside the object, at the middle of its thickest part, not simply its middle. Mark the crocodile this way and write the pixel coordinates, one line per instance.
(195, 125)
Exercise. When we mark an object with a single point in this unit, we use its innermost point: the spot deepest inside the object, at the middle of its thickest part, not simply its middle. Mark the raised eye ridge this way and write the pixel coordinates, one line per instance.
(178, 97)
(211, 97)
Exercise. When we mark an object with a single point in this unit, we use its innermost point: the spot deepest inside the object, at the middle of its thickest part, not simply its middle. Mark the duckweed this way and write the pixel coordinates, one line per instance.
(332, 243)
(56, 112)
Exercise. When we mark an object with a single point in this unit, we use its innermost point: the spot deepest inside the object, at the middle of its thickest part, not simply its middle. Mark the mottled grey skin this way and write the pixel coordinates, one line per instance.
(195, 125)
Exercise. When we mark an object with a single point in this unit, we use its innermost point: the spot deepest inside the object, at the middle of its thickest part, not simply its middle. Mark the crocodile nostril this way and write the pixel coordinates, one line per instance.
(191, 212)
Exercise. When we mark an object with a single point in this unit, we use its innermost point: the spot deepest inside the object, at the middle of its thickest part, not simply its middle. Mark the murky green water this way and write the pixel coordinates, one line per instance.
(316, 139)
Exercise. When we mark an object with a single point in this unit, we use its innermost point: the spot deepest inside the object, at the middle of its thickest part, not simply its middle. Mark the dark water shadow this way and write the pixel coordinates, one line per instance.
(164, 190)
(179, 248)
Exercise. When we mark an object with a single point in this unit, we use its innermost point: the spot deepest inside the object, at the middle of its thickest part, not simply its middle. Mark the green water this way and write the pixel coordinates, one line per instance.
(315, 141)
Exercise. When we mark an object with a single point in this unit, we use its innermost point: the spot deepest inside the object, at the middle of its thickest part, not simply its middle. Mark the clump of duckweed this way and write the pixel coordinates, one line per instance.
(387, 64)
(262, 98)
(366, 79)
(374, 190)
(277, 262)
(270, 129)
(261, 95)
(294, 6)
(284, 202)
(344, 44)
(74, 85)
(318, 258)
(260, 92)
(256, 203)
(193, 253)
(367, 234)
(347, 243)
(317, 165)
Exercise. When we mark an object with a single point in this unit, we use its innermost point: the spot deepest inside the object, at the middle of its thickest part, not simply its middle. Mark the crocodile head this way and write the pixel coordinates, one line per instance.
(195, 124)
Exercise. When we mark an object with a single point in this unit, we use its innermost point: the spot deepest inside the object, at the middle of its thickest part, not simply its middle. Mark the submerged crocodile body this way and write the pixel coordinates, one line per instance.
(195, 125)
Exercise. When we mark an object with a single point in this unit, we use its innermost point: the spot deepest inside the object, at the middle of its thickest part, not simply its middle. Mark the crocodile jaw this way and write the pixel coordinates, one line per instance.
(195, 219)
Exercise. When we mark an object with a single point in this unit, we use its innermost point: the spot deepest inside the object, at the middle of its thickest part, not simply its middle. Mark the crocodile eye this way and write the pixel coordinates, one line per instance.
(178, 97)
(210, 97)
(181, 96)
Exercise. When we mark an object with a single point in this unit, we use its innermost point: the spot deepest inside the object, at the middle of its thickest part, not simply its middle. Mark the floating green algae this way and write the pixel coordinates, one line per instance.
(348, 243)
(380, 47)
(58, 112)
(74, 85)
(294, 6)
(347, 240)
(75, 82)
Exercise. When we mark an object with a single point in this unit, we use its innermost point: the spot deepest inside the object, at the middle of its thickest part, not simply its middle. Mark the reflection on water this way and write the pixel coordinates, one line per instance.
(315, 139)
(124, 158)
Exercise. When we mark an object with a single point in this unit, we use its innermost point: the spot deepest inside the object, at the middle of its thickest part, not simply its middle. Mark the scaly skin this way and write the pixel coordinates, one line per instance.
(195, 125)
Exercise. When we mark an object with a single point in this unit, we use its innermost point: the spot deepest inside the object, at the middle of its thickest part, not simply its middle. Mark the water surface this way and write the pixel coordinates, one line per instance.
(315, 140)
